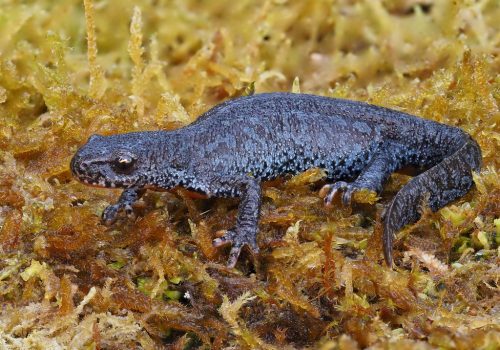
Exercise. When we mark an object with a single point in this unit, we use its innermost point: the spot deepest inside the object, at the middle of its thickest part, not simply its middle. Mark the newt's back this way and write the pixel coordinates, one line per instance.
(271, 134)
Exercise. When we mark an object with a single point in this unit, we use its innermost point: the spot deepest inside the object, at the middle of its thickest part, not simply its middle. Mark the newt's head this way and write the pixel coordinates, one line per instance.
(112, 161)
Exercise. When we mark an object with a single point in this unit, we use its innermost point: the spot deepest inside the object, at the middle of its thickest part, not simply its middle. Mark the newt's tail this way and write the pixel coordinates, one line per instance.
(438, 186)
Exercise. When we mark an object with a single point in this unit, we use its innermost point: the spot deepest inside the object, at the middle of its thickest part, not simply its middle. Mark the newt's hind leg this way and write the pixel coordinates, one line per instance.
(371, 178)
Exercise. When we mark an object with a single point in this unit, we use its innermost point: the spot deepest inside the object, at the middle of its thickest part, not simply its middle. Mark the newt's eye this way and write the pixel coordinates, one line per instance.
(124, 162)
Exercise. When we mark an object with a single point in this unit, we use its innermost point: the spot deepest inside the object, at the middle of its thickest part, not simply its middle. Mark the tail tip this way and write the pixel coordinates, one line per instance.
(388, 255)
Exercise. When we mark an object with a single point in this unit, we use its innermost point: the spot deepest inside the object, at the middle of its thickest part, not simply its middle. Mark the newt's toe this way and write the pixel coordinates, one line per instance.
(129, 211)
(221, 241)
(330, 191)
(110, 214)
(343, 189)
(238, 240)
(347, 196)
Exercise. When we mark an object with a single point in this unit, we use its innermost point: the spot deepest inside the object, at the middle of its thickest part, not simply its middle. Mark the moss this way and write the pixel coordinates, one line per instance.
(70, 69)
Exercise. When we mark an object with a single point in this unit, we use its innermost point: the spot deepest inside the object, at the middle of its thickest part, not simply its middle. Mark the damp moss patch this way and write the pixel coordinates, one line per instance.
(71, 69)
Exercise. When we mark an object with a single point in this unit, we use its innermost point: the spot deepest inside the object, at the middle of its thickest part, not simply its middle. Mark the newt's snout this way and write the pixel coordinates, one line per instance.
(90, 173)
(78, 166)
(89, 167)
(81, 169)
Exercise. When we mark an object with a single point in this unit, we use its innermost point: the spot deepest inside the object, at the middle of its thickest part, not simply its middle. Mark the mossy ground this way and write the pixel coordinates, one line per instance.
(66, 281)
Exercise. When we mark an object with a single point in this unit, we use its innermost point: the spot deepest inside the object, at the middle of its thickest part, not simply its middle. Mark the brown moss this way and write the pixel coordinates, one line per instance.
(71, 69)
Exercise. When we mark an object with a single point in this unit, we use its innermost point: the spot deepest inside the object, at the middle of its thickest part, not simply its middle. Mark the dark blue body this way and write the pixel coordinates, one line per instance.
(230, 149)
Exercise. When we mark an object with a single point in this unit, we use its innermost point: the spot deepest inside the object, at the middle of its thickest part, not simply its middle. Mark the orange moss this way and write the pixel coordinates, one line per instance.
(69, 70)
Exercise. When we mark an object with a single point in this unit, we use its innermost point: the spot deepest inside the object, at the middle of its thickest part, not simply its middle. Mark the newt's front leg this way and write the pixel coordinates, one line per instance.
(247, 223)
(125, 202)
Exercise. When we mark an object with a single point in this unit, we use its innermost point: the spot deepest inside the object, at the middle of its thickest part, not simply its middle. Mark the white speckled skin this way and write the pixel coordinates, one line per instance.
(230, 149)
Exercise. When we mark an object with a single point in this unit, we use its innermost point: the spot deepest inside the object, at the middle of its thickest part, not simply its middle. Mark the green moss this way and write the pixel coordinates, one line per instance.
(70, 69)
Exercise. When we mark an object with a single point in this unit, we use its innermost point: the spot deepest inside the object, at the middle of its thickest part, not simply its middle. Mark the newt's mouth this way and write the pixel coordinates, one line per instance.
(101, 178)
(98, 183)
(82, 170)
